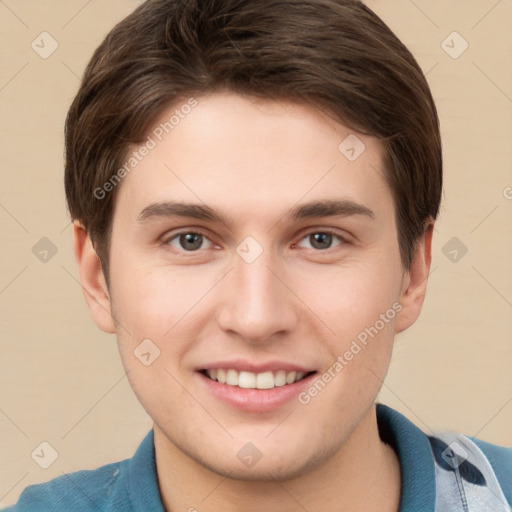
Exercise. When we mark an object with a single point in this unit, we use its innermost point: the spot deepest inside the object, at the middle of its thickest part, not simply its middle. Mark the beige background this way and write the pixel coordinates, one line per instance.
(60, 378)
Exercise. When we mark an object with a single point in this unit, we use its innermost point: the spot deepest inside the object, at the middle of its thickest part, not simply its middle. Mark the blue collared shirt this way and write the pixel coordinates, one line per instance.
(132, 486)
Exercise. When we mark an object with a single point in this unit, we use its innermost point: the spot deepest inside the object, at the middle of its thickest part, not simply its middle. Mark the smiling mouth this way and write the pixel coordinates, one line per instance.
(250, 380)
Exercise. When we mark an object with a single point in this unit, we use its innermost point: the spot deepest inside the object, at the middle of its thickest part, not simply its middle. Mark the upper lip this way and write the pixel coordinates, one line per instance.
(241, 365)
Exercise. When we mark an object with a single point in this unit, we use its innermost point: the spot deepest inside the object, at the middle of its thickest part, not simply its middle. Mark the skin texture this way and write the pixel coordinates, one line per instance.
(253, 160)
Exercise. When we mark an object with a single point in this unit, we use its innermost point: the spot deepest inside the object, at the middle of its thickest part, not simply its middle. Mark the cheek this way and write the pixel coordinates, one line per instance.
(156, 296)
(359, 304)
(160, 304)
(349, 300)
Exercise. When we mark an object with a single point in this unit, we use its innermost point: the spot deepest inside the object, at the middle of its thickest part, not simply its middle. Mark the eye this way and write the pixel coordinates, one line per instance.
(189, 241)
(320, 240)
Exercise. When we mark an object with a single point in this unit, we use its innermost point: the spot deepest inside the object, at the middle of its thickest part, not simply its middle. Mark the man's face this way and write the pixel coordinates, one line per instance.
(260, 290)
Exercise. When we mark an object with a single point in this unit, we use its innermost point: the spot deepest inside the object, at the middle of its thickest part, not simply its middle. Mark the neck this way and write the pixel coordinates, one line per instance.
(364, 474)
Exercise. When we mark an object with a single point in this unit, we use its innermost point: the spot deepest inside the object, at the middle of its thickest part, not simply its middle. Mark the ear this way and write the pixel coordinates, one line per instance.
(92, 279)
(415, 281)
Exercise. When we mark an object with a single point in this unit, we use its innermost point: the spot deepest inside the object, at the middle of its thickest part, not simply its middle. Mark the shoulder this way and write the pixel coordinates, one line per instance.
(500, 458)
(433, 465)
(482, 474)
(98, 490)
(118, 487)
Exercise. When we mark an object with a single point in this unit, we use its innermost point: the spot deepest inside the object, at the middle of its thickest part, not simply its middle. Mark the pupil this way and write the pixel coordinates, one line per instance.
(321, 240)
(191, 241)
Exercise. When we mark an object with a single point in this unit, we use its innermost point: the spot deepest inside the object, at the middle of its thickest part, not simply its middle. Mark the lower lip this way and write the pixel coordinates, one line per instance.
(255, 400)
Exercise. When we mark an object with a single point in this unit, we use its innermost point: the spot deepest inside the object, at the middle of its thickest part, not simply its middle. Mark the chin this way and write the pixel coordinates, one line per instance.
(248, 463)
(263, 471)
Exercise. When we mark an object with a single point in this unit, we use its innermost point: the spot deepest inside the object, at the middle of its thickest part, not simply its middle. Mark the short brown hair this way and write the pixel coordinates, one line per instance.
(334, 54)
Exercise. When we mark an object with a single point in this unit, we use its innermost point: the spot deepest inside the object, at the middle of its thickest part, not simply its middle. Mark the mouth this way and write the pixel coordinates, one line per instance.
(251, 380)
(255, 388)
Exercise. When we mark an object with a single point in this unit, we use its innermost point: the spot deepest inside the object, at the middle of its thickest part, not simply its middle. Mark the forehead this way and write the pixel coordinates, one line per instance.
(248, 156)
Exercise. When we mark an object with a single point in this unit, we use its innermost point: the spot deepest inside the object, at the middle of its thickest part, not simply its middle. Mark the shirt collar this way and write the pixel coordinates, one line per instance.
(143, 482)
(408, 441)
(417, 465)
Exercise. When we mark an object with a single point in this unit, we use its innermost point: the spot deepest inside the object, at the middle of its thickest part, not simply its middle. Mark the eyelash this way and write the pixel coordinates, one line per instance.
(325, 232)
(167, 240)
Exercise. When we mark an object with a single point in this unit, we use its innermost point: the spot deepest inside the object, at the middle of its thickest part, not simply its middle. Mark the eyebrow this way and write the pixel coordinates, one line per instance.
(313, 209)
(339, 208)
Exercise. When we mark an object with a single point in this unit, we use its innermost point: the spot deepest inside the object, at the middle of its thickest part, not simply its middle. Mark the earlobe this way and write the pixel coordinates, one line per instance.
(92, 279)
(415, 281)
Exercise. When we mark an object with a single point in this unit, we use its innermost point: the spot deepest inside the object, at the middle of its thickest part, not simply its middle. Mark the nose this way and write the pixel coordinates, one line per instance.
(255, 302)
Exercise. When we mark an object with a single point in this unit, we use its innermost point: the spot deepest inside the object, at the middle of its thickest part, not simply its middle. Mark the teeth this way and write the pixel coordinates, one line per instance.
(232, 378)
(250, 380)
(246, 380)
(280, 378)
(290, 377)
(221, 376)
(265, 380)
